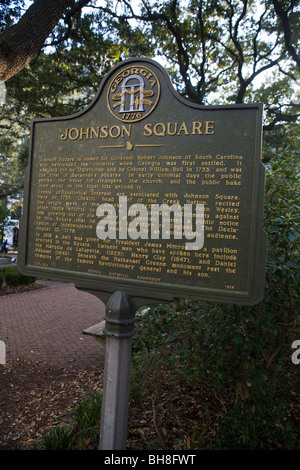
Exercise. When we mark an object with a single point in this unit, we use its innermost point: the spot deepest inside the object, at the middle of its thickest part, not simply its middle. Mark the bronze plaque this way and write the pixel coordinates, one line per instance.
(147, 193)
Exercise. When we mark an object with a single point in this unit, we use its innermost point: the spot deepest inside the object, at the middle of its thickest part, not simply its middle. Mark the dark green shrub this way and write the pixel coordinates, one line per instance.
(1, 276)
(14, 278)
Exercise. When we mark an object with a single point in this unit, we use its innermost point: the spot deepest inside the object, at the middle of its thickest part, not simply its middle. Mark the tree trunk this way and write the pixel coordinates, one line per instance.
(22, 41)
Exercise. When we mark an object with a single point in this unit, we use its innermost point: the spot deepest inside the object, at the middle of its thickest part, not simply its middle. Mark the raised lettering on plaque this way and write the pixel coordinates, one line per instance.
(148, 193)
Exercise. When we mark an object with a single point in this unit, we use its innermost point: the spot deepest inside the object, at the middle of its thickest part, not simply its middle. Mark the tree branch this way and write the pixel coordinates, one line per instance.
(22, 41)
(280, 117)
(282, 14)
(68, 19)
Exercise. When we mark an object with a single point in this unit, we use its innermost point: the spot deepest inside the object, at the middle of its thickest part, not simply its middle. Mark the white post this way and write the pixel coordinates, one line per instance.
(2, 353)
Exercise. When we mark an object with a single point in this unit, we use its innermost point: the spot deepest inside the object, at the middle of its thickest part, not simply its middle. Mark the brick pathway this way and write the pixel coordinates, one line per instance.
(46, 325)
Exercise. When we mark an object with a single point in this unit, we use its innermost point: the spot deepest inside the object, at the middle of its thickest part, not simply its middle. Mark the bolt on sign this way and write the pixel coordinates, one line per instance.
(147, 193)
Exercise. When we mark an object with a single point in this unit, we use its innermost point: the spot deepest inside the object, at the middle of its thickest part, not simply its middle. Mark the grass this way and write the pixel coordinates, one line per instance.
(83, 430)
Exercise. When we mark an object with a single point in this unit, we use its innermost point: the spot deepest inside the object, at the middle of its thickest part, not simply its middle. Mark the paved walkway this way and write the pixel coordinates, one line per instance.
(46, 325)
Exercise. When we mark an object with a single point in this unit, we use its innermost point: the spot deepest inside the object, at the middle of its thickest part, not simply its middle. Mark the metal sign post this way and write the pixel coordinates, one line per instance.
(119, 329)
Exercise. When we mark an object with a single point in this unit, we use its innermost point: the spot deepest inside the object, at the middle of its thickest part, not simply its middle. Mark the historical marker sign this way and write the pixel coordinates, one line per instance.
(97, 182)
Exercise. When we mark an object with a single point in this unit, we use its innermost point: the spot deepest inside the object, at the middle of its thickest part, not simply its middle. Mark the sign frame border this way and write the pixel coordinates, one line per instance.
(145, 292)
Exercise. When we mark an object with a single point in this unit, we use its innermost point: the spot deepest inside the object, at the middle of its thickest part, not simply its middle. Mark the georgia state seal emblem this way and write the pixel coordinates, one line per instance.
(133, 93)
